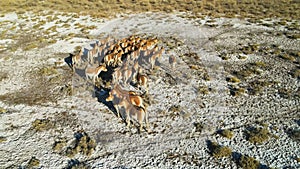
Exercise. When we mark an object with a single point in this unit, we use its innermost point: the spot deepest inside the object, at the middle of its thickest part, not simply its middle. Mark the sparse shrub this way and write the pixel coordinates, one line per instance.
(254, 47)
(2, 139)
(247, 162)
(206, 77)
(294, 134)
(75, 164)
(48, 71)
(295, 73)
(219, 151)
(224, 56)
(256, 86)
(30, 46)
(175, 108)
(199, 127)
(2, 110)
(58, 145)
(244, 73)
(82, 144)
(257, 135)
(66, 25)
(203, 90)
(260, 64)
(242, 56)
(247, 50)
(293, 36)
(33, 162)
(52, 41)
(91, 27)
(286, 56)
(226, 133)
(284, 93)
(236, 91)
(233, 79)
(41, 124)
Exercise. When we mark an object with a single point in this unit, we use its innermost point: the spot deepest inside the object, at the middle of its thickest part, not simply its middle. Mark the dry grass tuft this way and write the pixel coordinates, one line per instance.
(254, 9)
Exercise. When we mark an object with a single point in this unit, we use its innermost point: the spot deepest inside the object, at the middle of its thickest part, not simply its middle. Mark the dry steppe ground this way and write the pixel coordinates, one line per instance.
(231, 100)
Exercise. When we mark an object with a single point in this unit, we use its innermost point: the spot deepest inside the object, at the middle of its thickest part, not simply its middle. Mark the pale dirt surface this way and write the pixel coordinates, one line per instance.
(178, 102)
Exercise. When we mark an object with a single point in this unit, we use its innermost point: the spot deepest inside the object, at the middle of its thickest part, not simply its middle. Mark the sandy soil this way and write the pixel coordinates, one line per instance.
(43, 126)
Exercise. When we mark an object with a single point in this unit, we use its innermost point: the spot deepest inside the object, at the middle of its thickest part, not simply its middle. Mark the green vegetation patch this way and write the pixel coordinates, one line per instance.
(219, 151)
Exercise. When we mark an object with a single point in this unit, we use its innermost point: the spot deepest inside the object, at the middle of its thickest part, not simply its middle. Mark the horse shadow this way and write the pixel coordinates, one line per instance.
(101, 94)
(69, 61)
